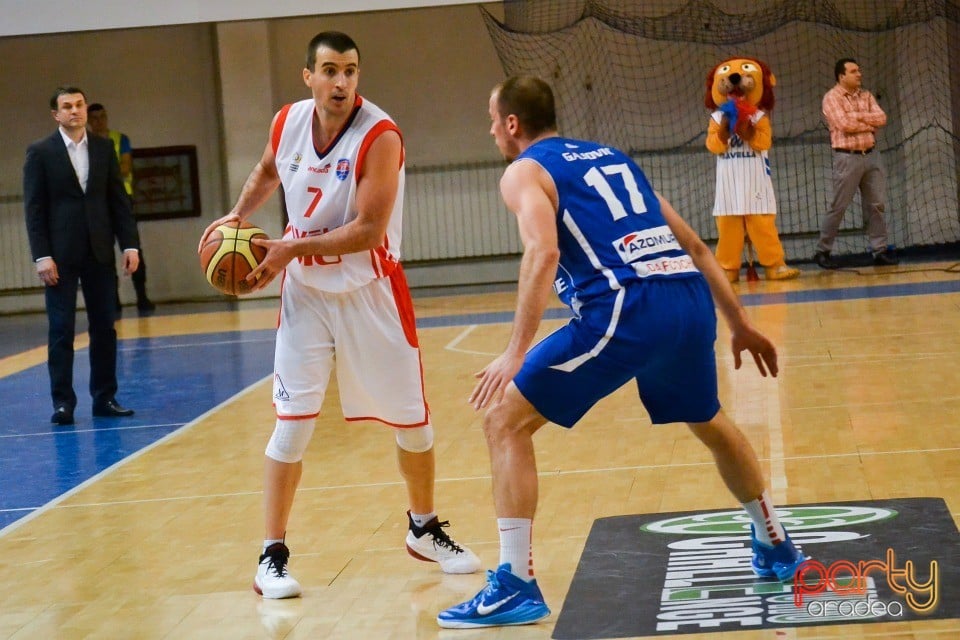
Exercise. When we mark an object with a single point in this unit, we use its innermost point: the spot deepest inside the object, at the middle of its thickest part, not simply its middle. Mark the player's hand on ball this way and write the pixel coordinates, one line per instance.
(230, 217)
(228, 255)
(279, 255)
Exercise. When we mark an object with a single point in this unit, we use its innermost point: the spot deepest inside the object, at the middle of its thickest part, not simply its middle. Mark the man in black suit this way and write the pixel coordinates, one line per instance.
(76, 206)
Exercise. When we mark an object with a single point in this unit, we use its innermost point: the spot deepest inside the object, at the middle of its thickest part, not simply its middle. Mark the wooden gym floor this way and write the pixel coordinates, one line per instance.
(151, 528)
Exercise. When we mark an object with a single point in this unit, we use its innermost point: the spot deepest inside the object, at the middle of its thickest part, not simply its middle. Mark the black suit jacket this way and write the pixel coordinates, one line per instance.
(65, 222)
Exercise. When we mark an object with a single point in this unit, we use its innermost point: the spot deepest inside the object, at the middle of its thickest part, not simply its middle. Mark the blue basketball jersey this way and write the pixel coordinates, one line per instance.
(610, 229)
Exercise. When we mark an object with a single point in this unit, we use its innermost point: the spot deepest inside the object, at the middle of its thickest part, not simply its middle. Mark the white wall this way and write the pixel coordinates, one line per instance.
(23, 17)
(430, 68)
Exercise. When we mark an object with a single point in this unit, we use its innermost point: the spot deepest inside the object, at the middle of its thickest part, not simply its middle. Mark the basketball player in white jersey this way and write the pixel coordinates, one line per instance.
(340, 160)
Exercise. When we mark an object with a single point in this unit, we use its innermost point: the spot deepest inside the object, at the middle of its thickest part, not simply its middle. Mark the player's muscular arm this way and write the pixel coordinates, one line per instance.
(743, 334)
(527, 192)
(260, 185)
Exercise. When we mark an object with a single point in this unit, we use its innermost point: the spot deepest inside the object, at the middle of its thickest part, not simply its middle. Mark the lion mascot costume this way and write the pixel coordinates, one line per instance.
(740, 98)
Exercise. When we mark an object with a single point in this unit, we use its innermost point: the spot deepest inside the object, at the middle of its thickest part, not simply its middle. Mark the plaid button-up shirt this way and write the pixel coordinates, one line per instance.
(852, 118)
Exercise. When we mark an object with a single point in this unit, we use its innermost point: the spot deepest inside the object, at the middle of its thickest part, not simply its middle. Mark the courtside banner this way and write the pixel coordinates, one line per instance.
(675, 573)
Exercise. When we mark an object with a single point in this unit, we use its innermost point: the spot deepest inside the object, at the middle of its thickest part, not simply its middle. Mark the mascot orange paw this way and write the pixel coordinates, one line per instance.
(783, 272)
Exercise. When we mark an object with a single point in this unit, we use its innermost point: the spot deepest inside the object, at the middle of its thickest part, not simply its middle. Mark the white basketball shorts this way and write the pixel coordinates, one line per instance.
(370, 332)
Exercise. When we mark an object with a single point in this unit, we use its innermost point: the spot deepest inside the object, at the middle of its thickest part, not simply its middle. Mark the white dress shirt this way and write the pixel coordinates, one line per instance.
(79, 153)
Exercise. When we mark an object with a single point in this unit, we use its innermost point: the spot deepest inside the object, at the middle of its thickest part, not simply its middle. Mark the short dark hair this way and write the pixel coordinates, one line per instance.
(336, 40)
(840, 68)
(62, 91)
(96, 106)
(531, 100)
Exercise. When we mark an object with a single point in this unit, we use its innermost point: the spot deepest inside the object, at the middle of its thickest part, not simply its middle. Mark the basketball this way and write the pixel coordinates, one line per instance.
(228, 256)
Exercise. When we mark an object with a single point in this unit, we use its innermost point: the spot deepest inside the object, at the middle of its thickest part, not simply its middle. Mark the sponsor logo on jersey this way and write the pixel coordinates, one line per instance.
(572, 156)
(637, 244)
(280, 392)
(737, 149)
(343, 168)
(665, 266)
(295, 165)
(324, 169)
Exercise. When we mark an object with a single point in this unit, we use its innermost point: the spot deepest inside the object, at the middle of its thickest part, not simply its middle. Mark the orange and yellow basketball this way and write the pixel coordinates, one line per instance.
(227, 256)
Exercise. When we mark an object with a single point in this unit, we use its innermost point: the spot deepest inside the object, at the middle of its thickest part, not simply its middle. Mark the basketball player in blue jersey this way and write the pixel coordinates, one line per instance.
(639, 281)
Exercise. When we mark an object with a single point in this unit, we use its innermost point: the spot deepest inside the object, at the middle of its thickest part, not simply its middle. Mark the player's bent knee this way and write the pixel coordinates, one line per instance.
(290, 439)
(415, 439)
(511, 416)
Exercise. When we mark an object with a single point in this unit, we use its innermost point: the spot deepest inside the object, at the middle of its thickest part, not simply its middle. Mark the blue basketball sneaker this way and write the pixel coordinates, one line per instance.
(779, 561)
(506, 600)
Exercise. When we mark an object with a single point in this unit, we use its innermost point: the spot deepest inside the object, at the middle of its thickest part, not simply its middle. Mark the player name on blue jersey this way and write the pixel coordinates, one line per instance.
(571, 156)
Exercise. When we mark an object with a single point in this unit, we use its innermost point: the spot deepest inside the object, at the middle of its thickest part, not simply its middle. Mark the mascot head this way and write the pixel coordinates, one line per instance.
(745, 78)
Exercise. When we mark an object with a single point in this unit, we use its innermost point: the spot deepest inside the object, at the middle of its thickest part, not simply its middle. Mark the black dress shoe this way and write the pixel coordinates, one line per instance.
(62, 416)
(110, 409)
(885, 259)
(824, 261)
(146, 306)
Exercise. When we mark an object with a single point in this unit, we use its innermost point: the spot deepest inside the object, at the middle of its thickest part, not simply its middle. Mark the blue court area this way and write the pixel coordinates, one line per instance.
(168, 381)
(172, 381)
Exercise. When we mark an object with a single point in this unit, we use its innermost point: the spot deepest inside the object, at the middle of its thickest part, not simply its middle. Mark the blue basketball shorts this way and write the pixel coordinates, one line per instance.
(659, 332)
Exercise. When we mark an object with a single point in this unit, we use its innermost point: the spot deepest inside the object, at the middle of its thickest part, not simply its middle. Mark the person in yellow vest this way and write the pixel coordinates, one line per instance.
(97, 121)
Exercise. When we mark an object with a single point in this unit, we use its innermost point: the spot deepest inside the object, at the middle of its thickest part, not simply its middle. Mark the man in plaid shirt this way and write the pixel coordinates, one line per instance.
(853, 117)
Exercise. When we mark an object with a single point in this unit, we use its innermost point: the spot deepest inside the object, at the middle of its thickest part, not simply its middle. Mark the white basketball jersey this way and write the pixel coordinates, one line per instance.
(744, 186)
(320, 191)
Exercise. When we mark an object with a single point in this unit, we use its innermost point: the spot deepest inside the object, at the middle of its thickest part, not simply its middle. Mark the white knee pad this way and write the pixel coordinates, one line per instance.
(290, 439)
(415, 439)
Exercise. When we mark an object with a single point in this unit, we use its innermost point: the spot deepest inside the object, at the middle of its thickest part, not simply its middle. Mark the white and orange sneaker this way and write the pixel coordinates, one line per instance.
(432, 544)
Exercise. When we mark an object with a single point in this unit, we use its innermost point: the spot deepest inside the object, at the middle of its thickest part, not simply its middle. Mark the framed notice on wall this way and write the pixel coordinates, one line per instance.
(165, 183)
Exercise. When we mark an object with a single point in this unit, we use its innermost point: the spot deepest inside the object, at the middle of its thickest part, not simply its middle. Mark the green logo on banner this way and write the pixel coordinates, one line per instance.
(792, 518)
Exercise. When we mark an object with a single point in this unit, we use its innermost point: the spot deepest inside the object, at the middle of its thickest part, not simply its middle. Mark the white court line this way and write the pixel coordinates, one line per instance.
(133, 456)
(758, 402)
(543, 474)
(180, 345)
(452, 345)
(865, 358)
(778, 471)
(68, 431)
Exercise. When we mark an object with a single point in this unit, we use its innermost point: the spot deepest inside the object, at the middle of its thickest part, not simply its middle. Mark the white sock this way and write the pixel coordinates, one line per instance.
(267, 543)
(421, 519)
(766, 524)
(516, 546)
